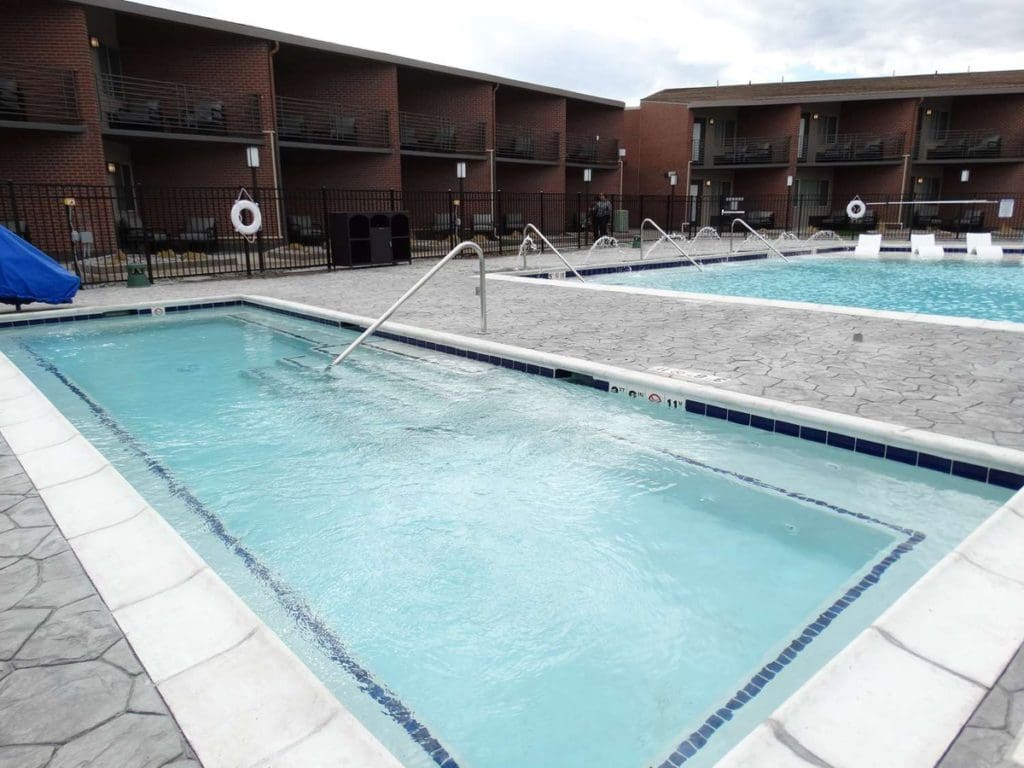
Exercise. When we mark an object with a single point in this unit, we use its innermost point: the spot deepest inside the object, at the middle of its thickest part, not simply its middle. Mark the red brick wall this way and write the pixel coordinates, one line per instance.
(770, 122)
(312, 169)
(849, 181)
(764, 190)
(994, 178)
(537, 111)
(603, 180)
(662, 144)
(438, 174)
(1003, 114)
(431, 93)
(219, 64)
(589, 119)
(519, 177)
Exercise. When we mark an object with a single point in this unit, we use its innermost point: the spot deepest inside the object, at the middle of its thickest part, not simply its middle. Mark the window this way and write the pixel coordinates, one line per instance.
(828, 127)
(697, 148)
(801, 137)
(812, 192)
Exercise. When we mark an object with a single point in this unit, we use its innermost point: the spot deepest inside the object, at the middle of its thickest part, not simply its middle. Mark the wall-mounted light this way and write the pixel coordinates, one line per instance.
(789, 181)
(711, 121)
(622, 153)
(814, 116)
(673, 178)
(94, 42)
(111, 167)
(252, 157)
(707, 182)
(460, 170)
(588, 175)
(928, 111)
(920, 180)
(965, 175)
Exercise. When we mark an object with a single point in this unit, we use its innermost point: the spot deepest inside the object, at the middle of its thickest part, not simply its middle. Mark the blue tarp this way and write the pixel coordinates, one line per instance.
(27, 274)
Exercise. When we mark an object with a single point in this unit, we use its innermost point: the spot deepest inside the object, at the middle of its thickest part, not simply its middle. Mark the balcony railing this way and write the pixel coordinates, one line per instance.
(858, 148)
(752, 150)
(586, 149)
(433, 133)
(521, 143)
(316, 122)
(37, 95)
(965, 145)
(135, 104)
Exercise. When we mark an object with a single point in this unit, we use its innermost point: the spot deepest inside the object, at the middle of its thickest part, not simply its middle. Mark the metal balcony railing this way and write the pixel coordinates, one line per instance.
(752, 150)
(433, 133)
(521, 143)
(964, 145)
(859, 147)
(31, 94)
(136, 104)
(317, 122)
(587, 149)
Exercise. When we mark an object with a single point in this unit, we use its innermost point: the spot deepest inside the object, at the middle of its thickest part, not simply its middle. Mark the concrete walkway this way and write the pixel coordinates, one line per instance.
(72, 693)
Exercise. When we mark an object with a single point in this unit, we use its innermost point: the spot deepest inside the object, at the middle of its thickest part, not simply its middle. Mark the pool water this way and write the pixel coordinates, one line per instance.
(540, 573)
(983, 290)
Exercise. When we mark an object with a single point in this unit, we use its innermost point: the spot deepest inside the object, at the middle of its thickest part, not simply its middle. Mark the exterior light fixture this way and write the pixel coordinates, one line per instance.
(965, 175)
(252, 157)
(928, 111)
(94, 42)
(622, 153)
(707, 182)
(814, 116)
(588, 175)
(920, 180)
(111, 167)
(711, 121)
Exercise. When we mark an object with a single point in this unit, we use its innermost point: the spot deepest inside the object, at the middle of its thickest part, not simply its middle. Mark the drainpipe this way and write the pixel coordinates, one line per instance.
(275, 152)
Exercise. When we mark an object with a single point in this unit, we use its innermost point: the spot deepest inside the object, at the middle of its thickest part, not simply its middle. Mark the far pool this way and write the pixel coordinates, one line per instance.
(988, 291)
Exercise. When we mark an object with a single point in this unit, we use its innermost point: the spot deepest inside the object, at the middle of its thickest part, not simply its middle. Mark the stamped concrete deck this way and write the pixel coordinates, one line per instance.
(72, 693)
(955, 381)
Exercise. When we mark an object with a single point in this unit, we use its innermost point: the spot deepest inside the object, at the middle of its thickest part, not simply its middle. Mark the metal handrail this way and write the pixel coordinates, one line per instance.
(547, 242)
(323, 122)
(664, 236)
(755, 233)
(467, 245)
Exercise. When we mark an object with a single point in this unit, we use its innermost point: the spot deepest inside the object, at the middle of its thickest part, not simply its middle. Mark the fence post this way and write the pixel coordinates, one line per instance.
(325, 228)
(542, 219)
(499, 226)
(259, 234)
(14, 211)
(579, 222)
(147, 241)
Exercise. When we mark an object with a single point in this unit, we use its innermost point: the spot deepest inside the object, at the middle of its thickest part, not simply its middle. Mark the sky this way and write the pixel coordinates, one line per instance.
(626, 52)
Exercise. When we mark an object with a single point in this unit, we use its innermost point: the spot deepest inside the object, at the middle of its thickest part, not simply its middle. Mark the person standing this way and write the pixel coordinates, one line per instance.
(601, 215)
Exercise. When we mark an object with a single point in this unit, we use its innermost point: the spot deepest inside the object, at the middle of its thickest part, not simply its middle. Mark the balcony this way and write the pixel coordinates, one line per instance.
(38, 97)
(516, 142)
(433, 134)
(587, 150)
(306, 122)
(857, 148)
(132, 105)
(970, 145)
(752, 150)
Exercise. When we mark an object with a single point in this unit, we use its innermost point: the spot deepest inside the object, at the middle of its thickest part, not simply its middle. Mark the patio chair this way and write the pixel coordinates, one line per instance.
(513, 222)
(972, 220)
(980, 244)
(302, 230)
(19, 227)
(207, 116)
(868, 245)
(293, 127)
(483, 224)
(869, 150)
(761, 219)
(12, 102)
(522, 147)
(442, 225)
(408, 138)
(987, 146)
(141, 114)
(132, 235)
(343, 130)
(199, 232)
(925, 247)
(444, 138)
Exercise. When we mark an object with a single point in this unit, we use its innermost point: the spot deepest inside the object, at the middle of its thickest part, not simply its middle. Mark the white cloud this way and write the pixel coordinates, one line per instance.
(626, 52)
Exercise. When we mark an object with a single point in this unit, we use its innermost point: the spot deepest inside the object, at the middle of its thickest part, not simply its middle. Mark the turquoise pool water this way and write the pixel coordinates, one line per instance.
(988, 291)
(540, 573)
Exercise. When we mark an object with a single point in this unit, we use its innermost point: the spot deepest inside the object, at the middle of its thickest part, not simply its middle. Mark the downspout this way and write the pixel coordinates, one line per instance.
(494, 136)
(275, 151)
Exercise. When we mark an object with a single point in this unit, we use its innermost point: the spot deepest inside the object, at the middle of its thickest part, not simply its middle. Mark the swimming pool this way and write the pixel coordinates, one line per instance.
(990, 291)
(537, 573)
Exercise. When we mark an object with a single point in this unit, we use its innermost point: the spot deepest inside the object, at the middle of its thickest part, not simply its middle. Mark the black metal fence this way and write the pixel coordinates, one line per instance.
(179, 232)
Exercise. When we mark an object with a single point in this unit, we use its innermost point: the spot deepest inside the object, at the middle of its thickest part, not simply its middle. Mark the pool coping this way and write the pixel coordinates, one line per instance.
(73, 476)
(557, 278)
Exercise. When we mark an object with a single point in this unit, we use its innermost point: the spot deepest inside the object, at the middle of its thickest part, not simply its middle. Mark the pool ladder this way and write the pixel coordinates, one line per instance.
(482, 290)
(755, 233)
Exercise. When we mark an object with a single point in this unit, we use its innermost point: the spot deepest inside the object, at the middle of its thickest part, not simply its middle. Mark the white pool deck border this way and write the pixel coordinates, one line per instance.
(897, 695)
(523, 277)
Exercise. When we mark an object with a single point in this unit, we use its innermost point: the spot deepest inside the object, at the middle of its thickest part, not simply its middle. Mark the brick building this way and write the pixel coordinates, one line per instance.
(911, 137)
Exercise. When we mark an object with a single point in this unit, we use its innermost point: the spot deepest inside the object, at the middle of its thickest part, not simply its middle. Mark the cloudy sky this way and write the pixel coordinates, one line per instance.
(622, 51)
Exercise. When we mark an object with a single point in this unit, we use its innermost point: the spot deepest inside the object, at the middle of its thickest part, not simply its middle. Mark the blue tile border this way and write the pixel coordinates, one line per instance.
(1002, 478)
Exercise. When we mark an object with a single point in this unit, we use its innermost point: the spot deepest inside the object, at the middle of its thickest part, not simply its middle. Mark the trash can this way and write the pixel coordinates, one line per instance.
(137, 276)
(621, 221)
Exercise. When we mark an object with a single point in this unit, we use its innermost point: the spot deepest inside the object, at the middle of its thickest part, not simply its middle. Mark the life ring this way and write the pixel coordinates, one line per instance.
(236, 217)
(856, 209)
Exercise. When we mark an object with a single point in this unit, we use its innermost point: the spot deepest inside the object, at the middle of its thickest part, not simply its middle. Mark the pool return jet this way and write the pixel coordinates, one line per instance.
(482, 291)
(528, 245)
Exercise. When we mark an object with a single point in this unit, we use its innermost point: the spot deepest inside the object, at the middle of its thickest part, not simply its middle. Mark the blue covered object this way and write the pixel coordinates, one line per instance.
(27, 274)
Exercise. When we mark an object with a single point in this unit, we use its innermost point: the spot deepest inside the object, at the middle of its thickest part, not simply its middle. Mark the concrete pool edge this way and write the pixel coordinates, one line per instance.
(56, 435)
(529, 278)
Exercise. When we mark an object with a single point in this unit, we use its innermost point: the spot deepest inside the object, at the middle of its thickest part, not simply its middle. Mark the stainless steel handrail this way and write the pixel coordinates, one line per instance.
(419, 284)
(755, 233)
(547, 242)
(664, 236)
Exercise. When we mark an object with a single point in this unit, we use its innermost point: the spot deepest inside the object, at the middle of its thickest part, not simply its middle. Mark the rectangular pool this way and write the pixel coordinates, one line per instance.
(975, 289)
(492, 569)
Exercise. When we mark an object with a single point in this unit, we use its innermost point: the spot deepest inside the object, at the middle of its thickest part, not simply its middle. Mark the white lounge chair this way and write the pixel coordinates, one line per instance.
(868, 245)
(925, 247)
(981, 244)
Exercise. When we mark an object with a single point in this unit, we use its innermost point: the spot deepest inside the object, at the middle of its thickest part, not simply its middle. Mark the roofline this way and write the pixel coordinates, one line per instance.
(235, 28)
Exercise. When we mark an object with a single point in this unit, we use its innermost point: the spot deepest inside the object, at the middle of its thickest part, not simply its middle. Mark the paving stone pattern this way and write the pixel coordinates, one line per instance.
(72, 693)
(998, 723)
(963, 382)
